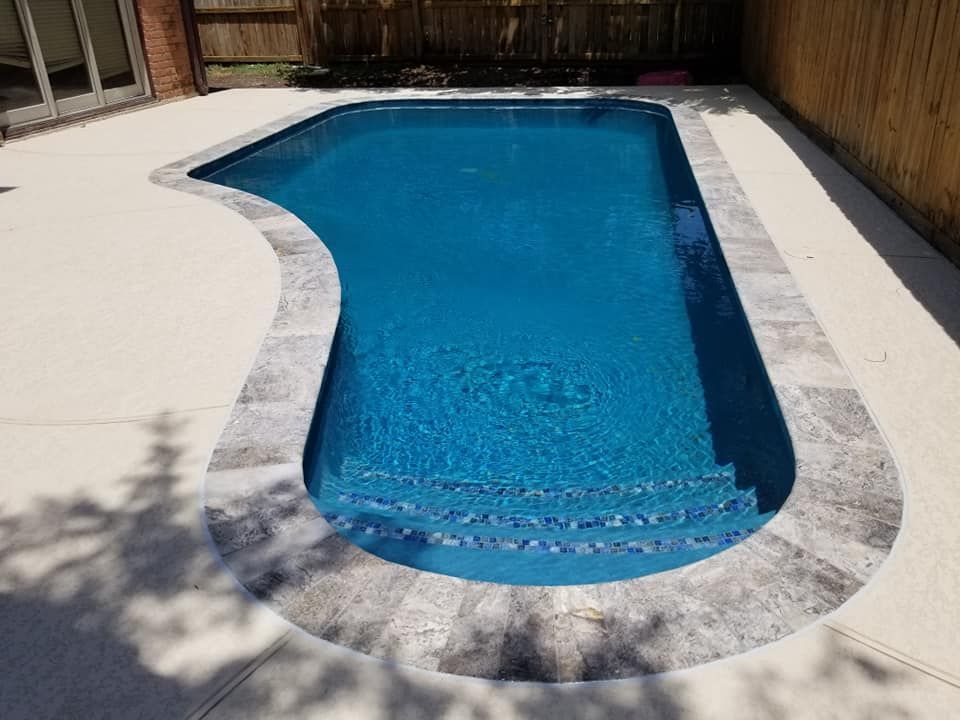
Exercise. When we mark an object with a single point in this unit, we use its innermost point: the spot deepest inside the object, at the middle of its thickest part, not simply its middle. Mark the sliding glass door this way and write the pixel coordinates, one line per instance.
(62, 56)
(113, 36)
(22, 95)
(65, 60)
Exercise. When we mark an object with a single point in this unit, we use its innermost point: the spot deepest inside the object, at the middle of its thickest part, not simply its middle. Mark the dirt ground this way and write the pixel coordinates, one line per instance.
(359, 75)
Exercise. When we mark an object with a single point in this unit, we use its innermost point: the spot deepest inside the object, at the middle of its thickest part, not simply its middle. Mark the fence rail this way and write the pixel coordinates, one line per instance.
(319, 31)
(880, 81)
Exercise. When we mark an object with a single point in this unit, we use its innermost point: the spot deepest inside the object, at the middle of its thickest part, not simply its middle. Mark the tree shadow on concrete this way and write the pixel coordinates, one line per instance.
(841, 682)
(835, 685)
(88, 587)
(93, 589)
(344, 684)
(70, 570)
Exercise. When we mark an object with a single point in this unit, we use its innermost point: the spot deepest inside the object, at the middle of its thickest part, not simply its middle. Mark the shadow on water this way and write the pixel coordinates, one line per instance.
(332, 454)
(747, 428)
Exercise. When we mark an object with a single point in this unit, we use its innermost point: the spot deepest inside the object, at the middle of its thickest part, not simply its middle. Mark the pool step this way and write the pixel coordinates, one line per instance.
(493, 542)
(741, 503)
(519, 491)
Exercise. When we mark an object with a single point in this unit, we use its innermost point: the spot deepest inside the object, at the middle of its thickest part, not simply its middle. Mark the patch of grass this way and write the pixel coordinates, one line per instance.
(251, 75)
(276, 70)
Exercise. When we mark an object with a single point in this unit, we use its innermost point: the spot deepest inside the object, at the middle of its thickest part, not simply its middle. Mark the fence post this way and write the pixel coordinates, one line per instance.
(417, 28)
(677, 24)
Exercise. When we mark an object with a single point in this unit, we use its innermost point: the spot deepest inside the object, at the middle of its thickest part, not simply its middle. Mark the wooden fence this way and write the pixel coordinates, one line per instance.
(319, 31)
(249, 30)
(879, 81)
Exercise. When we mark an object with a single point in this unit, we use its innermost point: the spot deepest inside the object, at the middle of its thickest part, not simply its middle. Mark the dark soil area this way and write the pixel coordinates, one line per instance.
(373, 75)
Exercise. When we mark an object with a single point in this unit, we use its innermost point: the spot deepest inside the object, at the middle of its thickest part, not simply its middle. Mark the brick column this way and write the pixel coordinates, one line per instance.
(165, 48)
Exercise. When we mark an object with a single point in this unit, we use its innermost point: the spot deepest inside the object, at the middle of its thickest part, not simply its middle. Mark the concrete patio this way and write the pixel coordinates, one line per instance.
(130, 317)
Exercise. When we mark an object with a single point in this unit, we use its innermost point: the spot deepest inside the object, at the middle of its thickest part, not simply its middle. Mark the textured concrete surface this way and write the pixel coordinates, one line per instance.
(129, 317)
(819, 549)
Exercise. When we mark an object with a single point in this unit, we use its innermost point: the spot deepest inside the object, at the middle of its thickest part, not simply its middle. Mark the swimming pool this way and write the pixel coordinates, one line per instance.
(542, 373)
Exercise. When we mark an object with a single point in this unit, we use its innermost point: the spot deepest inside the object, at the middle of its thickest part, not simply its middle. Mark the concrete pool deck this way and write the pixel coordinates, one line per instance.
(131, 315)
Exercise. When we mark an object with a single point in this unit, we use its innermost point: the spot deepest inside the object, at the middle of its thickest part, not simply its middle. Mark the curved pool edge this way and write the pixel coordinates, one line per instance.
(824, 544)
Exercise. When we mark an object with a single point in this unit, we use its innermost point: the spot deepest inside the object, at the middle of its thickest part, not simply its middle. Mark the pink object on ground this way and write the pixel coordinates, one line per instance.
(665, 77)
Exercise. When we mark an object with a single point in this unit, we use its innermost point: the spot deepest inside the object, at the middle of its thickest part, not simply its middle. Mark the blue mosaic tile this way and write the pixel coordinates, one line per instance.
(527, 545)
(463, 517)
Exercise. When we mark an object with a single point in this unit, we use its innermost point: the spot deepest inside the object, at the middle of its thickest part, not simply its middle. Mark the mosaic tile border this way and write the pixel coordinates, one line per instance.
(465, 517)
(491, 542)
(829, 538)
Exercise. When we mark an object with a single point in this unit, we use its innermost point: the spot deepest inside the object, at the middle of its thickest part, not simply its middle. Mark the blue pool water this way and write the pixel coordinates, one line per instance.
(542, 373)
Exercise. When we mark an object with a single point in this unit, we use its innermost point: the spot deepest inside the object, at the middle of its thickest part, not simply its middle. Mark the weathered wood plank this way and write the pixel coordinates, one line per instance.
(882, 79)
(259, 36)
(417, 28)
(586, 30)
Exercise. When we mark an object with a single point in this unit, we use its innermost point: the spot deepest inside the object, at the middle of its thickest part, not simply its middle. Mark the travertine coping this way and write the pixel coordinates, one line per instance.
(831, 535)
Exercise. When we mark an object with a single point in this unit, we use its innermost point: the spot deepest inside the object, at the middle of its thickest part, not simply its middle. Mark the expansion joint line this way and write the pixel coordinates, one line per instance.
(234, 681)
(893, 654)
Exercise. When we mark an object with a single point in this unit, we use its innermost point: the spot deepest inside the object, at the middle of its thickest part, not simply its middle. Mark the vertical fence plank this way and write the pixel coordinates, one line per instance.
(321, 31)
(542, 27)
(304, 31)
(249, 29)
(882, 79)
(417, 29)
(677, 26)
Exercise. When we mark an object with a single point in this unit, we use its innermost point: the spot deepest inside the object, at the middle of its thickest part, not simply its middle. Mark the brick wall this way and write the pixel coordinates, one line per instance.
(165, 48)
